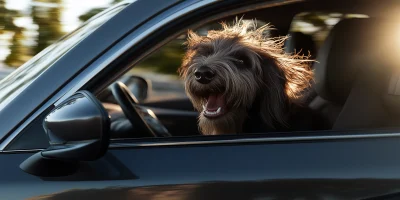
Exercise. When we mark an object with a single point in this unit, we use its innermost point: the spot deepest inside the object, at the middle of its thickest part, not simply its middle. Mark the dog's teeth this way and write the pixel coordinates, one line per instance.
(212, 113)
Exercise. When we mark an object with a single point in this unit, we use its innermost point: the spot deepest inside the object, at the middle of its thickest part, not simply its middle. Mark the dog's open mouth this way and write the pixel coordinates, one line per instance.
(214, 106)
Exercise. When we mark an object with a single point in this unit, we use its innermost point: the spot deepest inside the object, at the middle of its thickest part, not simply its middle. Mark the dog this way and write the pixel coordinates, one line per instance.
(241, 80)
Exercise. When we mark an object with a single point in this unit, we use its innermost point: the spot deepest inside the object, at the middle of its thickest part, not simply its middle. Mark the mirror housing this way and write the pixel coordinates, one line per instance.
(139, 86)
(78, 130)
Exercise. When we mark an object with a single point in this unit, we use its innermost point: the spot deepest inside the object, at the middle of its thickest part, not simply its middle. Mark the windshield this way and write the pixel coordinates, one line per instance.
(14, 83)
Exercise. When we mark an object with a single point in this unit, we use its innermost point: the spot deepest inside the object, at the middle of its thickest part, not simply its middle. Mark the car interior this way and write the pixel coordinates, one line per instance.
(356, 87)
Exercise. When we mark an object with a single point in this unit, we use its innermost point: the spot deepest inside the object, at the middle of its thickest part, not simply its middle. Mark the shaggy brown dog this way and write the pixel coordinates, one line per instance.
(239, 76)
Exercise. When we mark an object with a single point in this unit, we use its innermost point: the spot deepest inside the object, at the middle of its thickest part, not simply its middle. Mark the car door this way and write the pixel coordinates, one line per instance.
(315, 165)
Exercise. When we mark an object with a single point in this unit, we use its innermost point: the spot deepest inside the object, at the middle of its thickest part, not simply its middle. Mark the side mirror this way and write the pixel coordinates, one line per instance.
(78, 130)
(139, 86)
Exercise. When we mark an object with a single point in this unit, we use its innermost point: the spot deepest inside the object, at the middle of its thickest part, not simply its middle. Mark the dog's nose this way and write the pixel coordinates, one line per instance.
(204, 74)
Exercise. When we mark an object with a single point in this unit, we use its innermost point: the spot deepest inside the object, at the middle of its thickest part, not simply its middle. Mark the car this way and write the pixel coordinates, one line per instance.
(91, 117)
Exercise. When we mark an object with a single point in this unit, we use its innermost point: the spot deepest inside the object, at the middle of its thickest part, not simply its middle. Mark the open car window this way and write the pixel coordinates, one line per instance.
(175, 104)
(162, 102)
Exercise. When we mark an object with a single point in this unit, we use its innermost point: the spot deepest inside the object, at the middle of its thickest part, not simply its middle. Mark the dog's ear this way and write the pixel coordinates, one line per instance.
(273, 99)
(284, 80)
(192, 39)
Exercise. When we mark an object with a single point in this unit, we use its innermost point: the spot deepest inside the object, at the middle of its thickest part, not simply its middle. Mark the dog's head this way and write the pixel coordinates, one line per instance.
(229, 71)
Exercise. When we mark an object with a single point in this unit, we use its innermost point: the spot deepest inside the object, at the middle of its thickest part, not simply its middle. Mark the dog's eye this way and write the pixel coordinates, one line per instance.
(241, 60)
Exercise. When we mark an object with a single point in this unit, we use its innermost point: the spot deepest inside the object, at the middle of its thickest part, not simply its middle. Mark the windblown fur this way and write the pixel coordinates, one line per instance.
(252, 71)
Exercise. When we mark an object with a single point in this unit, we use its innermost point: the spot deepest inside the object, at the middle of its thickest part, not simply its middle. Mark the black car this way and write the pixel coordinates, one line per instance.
(93, 117)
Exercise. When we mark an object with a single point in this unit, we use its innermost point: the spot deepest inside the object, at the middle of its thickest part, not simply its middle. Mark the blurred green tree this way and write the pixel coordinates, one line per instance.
(7, 17)
(47, 15)
(19, 53)
(16, 57)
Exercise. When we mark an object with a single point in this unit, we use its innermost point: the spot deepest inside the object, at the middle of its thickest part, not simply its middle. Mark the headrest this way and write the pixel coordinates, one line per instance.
(299, 41)
(352, 45)
(391, 97)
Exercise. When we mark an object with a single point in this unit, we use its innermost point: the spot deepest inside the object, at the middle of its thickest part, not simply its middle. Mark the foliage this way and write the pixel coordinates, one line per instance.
(48, 20)
(19, 53)
(17, 49)
(46, 16)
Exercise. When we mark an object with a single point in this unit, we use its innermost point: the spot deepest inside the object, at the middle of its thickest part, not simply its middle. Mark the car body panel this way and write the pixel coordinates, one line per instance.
(264, 169)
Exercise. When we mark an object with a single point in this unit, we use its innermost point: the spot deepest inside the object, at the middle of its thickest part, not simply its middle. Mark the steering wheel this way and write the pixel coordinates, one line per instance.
(128, 103)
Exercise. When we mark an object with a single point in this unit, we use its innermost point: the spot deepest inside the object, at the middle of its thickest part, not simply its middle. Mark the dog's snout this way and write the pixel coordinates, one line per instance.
(204, 74)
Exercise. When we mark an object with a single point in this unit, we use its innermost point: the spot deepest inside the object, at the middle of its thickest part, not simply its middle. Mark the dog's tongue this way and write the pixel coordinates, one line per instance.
(214, 102)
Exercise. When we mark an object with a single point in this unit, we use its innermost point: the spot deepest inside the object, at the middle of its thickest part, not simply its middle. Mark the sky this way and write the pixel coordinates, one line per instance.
(72, 9)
